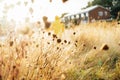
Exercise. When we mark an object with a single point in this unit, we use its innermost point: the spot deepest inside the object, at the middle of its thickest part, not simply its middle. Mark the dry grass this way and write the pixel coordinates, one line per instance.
(87, 52)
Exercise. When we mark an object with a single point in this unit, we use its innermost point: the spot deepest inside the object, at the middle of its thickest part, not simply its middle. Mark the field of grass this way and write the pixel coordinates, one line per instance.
(85, 52)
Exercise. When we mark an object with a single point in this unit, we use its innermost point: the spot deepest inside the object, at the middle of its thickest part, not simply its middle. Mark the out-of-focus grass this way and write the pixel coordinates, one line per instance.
(86, 52)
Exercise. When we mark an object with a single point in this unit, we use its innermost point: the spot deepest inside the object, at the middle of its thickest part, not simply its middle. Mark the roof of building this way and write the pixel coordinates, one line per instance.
(90, 8)
(85, 10)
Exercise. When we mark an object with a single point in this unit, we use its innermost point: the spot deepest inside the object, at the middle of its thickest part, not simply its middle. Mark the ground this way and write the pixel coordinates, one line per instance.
(86, 52)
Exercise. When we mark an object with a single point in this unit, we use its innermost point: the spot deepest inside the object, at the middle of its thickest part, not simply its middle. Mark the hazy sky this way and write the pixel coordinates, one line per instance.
(19, 10)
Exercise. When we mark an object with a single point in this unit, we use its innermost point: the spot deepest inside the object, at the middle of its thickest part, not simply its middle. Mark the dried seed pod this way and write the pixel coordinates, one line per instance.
(14, 67)
(54, 36)
(94, 47)
(57, 48)
(69, 42)
(74, 33)
(53, 39)
(65, 41)
(37, 45)
(105, 47)
(43, 32)
(11, 43)
(84, 45)
(58, 40)
(42, 37)
(76, 45)
(49, 34)
(48, 42)
(50, 0)
(119, 43)
(41, 76)
(76, 41)
(23, 79)
(64, 1)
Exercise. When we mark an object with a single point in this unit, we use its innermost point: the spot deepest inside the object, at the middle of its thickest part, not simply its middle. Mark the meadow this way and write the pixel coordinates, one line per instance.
(85, 52)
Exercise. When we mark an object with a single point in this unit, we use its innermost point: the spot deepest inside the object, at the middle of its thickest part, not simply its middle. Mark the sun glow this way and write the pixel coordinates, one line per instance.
(34, 10)
(17, 14)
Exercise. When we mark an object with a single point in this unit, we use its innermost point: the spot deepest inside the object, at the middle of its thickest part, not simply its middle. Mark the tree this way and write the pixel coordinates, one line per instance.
(104, 3)
(115, 9)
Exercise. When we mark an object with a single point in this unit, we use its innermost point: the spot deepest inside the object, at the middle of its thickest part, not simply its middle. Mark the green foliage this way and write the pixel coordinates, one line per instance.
(73, 75)
(114, 11)
(105, 3)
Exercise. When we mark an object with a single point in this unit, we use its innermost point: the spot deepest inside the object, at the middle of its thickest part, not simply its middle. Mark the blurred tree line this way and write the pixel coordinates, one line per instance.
(112, 5)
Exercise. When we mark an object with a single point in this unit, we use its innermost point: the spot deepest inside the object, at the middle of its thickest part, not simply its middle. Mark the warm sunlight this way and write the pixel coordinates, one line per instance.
(59, 39)
(33, 10)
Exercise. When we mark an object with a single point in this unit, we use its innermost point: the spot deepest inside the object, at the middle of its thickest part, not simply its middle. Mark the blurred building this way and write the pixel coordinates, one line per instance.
(89, 14)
